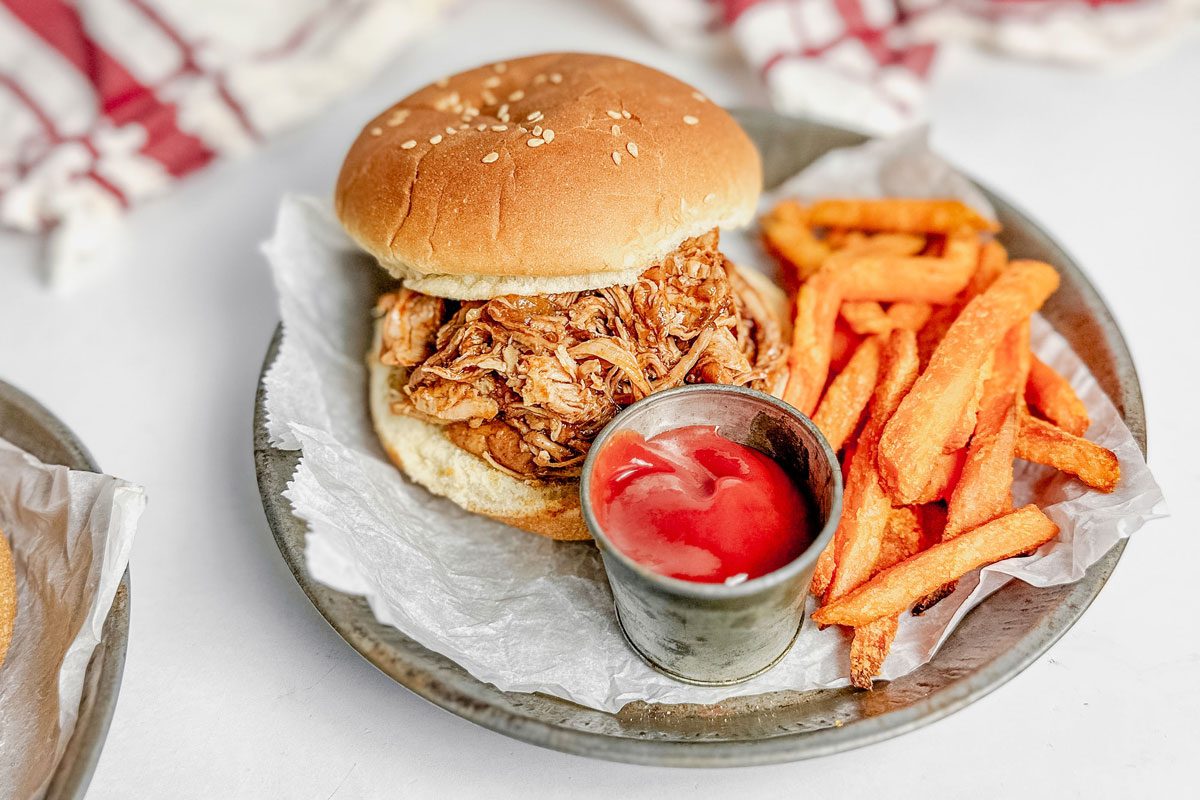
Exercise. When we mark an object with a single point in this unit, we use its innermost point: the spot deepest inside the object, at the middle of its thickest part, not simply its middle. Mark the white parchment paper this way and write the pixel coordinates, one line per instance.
(531, 615)
(71, 534)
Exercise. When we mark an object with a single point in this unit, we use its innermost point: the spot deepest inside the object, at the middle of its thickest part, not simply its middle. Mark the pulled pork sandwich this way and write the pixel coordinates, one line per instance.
(552, 224)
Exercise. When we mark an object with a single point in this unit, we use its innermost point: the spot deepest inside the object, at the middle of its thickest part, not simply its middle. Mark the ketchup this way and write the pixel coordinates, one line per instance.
(691, 504)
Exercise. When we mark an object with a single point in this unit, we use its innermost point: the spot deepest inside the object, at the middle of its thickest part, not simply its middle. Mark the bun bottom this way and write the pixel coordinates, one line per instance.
(422, 452)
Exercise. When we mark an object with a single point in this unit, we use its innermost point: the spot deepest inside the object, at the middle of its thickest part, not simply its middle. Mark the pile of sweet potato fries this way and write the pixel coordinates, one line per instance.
(911, 354)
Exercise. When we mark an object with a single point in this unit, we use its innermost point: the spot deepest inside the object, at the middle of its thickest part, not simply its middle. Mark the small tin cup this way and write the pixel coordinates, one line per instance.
(716, 634)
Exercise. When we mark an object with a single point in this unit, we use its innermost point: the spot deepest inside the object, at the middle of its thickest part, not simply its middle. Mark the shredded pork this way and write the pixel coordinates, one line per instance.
(526, 383)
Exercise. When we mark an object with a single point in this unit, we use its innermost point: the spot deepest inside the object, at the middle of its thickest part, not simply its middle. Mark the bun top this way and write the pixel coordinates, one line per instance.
(554, 172)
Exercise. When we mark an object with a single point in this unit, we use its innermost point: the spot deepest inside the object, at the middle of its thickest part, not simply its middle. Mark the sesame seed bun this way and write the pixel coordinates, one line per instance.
(8, 596)
(587, 169)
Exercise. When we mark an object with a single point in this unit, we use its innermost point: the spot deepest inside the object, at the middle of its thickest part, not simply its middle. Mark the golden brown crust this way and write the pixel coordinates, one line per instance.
(8, 596)
(444, 207)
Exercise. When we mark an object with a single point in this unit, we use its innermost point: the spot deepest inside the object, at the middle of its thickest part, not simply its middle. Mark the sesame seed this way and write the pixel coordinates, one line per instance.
(617, 157)
(450, 130)
(463, 127)
(481, 127)
(535, 142)
(490, 157)
(396, 117)
(708, 198)
(436, 138)
(555, 77)
(632, 148)
(492, 82)
(488, 97)
(522, 129)
(499, 128)
(700, 97)
(537, 130)
(443, 83)
(515, 96)
(503, 109)
(539, 79)
(690, 120)
(500, 67)
(377, 131)
(616, 130)
(548, 135)
(503, 117)
(409, 145)
(533, 116)
(614, 114)
(625, 114)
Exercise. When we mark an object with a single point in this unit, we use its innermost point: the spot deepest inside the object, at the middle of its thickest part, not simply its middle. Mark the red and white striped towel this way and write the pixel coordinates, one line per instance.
(864, 63)
(106, 102)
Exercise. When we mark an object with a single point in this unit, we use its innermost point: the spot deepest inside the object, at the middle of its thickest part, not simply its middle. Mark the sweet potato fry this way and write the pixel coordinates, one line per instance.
(871, 642)
(903, 215)
(866, 519)
(1049, 394)
(869, 649)
(826, 564)
(892, 278)
(842, 346)
(984, 489)
(962, 431)
(787, 234)
(894, 590)
(861, 527)
(817, 305)
(963, 249)
(840, 409)
(894, 244)
(908, 315)
(841, 238)
(946, 473)
(827, 561)
(992, 260)
(902, 538)
(926, 418)
(867, 317)
(1043, 443)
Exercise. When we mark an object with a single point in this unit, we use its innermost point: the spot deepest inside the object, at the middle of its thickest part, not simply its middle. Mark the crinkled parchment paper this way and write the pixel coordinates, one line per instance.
(71, 534)
(530, 615)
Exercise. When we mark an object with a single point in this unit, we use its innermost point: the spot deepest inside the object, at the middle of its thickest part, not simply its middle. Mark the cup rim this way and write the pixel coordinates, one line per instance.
(696, 589)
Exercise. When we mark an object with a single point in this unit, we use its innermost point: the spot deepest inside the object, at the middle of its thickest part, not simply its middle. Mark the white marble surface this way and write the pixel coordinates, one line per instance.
(236, 688)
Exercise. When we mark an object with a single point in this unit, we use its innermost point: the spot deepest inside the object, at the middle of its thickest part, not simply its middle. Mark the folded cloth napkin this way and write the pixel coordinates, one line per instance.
(865, 63)
(106, 102)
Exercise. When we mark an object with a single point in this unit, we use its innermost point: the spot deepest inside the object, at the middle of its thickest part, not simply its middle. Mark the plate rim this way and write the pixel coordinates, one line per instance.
(777, 749)
(102, 679)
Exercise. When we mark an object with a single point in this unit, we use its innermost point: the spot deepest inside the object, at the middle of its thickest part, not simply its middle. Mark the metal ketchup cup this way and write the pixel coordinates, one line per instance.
(712, 633)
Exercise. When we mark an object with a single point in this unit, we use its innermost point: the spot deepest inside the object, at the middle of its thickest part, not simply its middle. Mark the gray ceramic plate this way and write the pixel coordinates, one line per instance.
(34, 429)
(994, 642)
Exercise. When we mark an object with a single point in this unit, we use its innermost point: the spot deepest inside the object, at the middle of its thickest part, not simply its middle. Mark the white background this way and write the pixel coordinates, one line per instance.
(235, 687)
